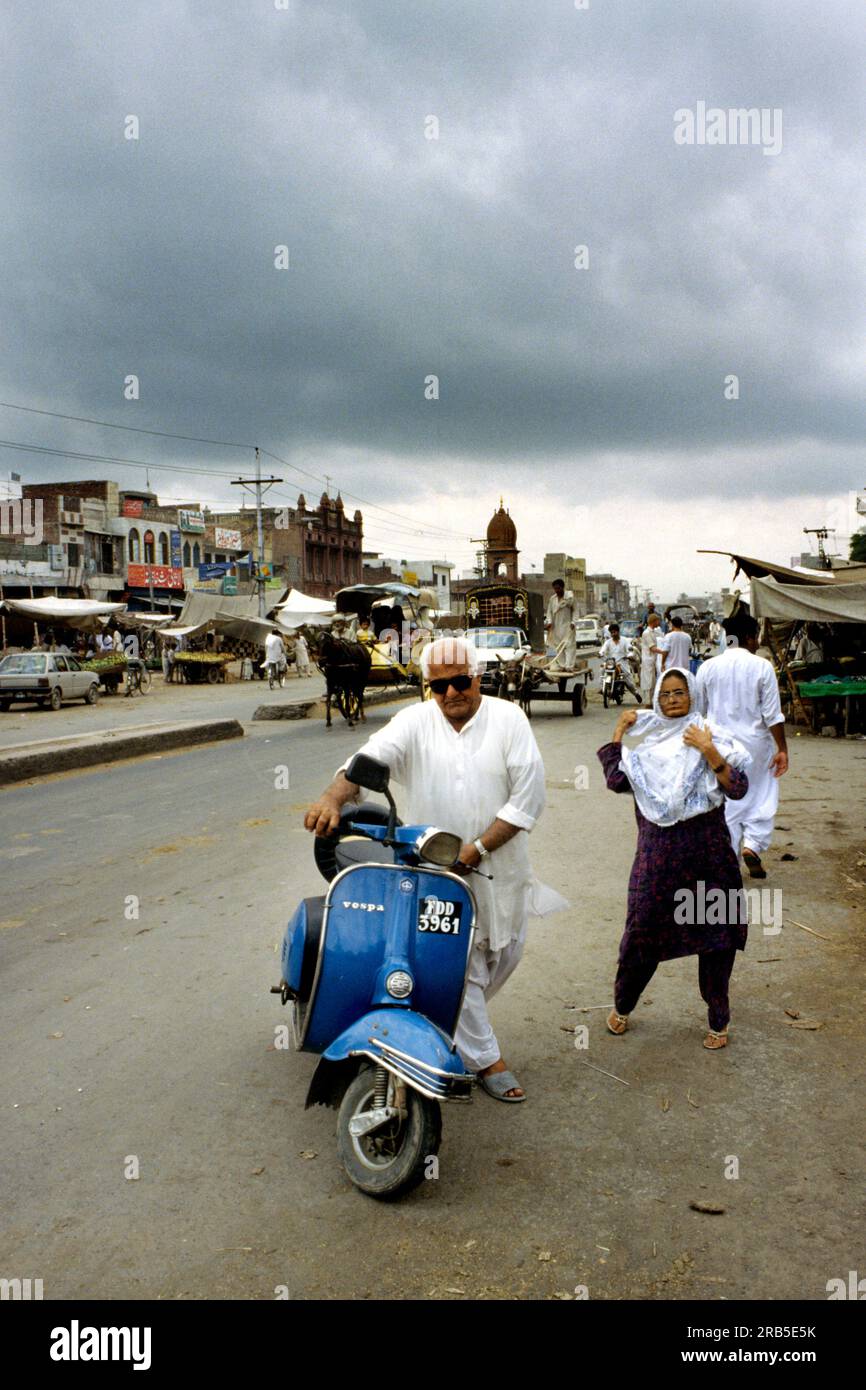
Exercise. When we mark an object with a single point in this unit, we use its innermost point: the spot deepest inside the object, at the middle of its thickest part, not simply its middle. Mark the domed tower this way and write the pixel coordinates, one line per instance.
(502, 552)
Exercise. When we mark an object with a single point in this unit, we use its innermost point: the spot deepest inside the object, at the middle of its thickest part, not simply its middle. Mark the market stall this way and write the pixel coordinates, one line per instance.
(817, 636)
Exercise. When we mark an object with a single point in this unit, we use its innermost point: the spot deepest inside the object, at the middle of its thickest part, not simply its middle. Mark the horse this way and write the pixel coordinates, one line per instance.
(346, 668)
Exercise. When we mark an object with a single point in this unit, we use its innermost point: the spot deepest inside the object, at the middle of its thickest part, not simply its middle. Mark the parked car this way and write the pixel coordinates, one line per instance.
(45, 678)
(587, 632)
(506, 643)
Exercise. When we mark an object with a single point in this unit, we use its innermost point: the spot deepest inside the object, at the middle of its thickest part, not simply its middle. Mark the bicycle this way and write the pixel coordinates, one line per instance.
(137, 678)
(276, 672)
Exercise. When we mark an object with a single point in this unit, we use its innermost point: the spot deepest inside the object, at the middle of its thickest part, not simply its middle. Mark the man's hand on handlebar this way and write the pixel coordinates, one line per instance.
(323, 816)
(467, 859)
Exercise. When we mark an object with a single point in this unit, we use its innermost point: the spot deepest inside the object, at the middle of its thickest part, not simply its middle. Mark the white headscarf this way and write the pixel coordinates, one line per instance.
(671, 781)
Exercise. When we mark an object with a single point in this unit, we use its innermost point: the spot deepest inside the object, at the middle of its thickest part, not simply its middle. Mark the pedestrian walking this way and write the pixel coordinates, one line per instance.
(649, 654)
(302, 655)
(740, 689)
(468, 762)
(680, 776)
(676, 646)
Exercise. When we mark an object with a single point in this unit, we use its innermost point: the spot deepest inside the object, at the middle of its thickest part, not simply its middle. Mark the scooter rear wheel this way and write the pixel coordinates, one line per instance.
(390, 1160)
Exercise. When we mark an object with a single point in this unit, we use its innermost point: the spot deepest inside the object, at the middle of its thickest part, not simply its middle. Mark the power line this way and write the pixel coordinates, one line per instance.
(134, 429)
(405, 535)
(195, 439)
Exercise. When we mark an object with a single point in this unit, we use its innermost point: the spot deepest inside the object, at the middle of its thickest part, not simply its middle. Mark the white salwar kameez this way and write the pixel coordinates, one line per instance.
(739, 691)
(648, 639)
(560, 619)
(462, 781)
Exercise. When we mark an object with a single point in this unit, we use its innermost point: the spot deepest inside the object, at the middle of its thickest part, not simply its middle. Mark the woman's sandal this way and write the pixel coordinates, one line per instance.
(714, 1040)
(617, 1023)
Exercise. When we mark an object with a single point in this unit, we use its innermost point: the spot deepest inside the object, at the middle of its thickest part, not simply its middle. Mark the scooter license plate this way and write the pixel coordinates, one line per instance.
(440, 916)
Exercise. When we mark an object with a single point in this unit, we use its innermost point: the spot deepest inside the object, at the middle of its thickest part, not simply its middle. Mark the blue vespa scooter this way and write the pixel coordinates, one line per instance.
(375, 971)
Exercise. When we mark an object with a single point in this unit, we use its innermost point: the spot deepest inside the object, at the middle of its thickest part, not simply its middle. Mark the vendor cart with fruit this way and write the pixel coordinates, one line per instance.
(195, 667)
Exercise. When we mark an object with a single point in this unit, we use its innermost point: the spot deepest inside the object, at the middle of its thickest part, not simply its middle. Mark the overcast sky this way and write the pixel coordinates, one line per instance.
(592, 399)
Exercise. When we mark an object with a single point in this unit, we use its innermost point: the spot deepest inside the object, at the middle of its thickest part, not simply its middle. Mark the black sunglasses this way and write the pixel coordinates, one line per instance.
(460, 683)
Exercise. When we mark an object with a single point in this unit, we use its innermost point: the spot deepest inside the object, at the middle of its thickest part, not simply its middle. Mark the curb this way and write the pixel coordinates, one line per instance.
(301, 709)
(90, 750)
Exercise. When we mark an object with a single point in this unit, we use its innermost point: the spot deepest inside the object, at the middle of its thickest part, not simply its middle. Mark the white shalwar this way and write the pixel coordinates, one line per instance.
(302, 656)
(740, 692)
(560, 621)
(462, 781)
(649, 638)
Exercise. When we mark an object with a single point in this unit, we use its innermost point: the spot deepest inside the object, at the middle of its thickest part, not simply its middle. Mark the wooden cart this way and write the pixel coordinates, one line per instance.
(539, 682)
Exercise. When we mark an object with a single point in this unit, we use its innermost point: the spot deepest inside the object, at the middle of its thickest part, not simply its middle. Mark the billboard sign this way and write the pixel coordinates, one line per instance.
(191, 521)
(160, 576)
(226, 540)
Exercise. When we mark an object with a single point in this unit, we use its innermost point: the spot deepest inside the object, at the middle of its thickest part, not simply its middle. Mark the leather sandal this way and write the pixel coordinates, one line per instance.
(716, 1039)
(617, 1023)
(753, 863)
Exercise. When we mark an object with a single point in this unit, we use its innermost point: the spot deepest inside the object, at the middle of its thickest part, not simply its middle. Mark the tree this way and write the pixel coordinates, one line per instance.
(858, 547)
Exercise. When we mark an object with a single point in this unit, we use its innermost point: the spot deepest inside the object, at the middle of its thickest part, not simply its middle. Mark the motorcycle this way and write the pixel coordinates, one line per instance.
(375, 971)
(612, 684)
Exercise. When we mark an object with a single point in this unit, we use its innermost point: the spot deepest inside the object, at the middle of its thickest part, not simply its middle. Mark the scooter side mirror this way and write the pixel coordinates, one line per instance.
(368, 772)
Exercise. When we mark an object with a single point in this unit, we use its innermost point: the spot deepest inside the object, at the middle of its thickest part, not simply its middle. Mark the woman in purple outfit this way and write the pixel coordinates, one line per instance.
(679, 776)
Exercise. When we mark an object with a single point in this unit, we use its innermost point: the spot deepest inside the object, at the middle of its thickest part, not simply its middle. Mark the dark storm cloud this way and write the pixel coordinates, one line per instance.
(412, 256)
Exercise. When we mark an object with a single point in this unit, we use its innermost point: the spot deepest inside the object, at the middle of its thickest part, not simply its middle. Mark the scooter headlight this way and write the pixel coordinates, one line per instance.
(439, 847)
(399, 984)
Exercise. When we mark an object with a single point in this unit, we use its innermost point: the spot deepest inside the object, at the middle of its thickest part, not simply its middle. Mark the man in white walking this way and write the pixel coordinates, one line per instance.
(739, 691)
(649, 652)
(468, 763)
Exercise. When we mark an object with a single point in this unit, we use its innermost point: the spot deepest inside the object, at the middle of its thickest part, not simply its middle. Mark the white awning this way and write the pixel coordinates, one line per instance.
(300, 610)
(62, 609)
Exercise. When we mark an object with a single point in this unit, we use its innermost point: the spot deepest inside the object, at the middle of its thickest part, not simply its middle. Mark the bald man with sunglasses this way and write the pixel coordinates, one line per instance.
(468, 763)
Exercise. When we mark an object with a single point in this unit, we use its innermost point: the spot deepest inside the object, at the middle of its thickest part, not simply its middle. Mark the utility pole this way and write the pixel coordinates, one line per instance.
(258, 484)
(822, 533)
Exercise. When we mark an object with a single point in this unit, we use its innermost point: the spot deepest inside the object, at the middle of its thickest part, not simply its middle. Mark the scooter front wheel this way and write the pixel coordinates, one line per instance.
(391, 1159)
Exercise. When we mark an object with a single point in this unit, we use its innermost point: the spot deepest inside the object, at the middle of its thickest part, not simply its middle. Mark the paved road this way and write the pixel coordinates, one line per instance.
(151, 1036)
(234, 700)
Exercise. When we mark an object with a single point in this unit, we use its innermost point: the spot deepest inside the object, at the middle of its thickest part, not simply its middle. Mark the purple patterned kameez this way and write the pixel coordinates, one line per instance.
(669, 859)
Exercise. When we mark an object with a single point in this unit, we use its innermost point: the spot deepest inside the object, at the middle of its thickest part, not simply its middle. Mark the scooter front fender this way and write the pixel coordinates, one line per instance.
(403, 1042)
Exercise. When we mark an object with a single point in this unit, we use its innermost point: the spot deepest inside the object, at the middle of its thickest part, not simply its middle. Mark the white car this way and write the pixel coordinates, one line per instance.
(496, 644)
(587, 632)
(45, 678)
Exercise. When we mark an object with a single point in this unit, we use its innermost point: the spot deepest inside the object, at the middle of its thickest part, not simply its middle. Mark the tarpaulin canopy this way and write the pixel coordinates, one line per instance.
(63, 609)
(817, 603)
(177, 631)
(88, 614)
(759, 569)
(301, 610)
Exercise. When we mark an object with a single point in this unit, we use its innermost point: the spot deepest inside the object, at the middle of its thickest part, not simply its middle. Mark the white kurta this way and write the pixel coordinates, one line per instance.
(560, 616)
(648, 638)
(463, 781)
(739, 692)
(678, 646)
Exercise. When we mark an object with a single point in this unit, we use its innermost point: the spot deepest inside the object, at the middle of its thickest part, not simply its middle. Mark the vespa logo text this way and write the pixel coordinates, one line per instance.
(366, 907)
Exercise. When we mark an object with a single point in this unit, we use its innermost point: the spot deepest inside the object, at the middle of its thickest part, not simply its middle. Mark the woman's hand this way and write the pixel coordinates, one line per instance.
(696, 737)
(625, 721)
